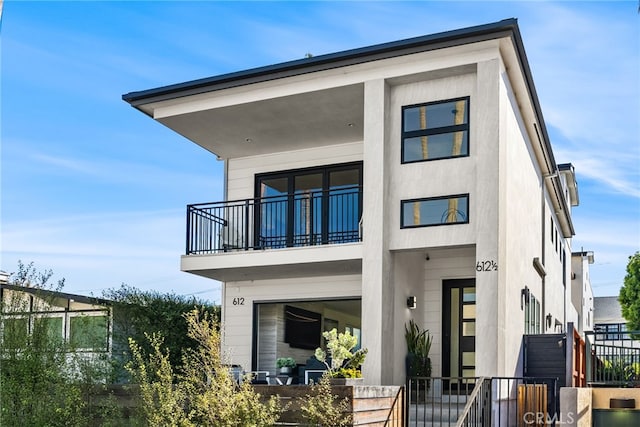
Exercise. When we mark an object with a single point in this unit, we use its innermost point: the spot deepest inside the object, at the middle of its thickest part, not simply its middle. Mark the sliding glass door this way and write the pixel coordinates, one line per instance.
(309, 206)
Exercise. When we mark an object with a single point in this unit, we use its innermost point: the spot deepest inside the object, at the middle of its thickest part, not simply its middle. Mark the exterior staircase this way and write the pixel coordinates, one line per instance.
(439, 411)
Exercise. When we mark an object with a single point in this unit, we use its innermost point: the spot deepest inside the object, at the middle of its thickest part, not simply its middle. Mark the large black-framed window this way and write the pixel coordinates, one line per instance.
(445, 210)
(310, 206)
(435, 130)
(270, 318)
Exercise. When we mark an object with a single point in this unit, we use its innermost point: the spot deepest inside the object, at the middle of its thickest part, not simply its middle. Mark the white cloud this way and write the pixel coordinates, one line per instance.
(605, 168)
(586, 64)
(113, 235)
(138, 172)
(612, 232)
(101, 250)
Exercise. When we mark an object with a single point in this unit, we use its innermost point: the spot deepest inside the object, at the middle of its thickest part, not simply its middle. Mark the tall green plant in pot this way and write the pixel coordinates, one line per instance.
(417, 362)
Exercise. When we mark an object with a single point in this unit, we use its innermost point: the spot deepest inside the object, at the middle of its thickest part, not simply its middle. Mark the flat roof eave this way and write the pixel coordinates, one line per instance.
(445, 39)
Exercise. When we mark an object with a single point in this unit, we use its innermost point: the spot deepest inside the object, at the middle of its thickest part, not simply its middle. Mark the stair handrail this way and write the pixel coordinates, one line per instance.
(398, 402)
(462, 419)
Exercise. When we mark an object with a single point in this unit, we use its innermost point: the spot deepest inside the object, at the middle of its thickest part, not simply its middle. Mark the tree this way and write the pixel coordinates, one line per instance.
(139, 313)
(37, 384)
(200, 393)
(630, 293)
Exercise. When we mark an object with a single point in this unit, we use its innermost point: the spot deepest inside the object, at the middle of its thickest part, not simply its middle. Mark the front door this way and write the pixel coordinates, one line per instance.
(459, 328)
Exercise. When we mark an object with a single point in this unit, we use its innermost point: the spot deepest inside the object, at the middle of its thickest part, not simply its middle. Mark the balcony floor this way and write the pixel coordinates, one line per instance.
(306, 261)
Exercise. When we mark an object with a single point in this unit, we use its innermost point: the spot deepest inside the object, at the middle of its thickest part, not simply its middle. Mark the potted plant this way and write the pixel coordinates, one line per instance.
(285, 364)
(417, 362)
(343, 363)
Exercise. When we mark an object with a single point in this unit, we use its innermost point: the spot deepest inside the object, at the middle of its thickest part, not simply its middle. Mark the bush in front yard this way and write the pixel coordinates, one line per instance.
(324, 409)
(203, 392)
(43, 382)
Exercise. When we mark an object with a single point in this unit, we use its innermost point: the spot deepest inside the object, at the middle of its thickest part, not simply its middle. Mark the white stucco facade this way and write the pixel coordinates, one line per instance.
(509, 258)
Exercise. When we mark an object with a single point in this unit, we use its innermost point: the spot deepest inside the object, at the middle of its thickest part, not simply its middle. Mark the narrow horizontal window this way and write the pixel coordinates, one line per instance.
(436, 130)
(435, 211)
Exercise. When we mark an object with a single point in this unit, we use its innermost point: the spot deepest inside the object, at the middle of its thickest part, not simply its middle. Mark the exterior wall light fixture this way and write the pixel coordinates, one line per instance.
(549, 319)
(412, 302)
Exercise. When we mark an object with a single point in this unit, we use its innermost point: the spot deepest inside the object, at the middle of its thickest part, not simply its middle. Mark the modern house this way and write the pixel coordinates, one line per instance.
(85, 323)
(409, 180)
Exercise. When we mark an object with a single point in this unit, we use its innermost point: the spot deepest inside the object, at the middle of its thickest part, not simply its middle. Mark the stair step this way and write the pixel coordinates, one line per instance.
(435, 412)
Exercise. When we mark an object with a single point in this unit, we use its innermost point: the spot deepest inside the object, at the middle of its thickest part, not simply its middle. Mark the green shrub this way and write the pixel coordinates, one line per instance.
(202, 392)
(322, 408)
(42, 381)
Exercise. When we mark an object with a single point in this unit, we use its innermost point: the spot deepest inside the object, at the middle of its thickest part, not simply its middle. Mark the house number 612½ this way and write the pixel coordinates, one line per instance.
(238, 301)
(487, 266)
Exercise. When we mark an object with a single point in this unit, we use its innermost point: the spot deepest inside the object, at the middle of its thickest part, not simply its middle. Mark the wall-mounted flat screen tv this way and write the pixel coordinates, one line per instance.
(302, 328)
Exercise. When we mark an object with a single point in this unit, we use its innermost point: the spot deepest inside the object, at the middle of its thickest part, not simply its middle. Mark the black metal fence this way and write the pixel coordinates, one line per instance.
(496, 401)
(301, 219)
(437, 401)
(477, 411)
(615, 358)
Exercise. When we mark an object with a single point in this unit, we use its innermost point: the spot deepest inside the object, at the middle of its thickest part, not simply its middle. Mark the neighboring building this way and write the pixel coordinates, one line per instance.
(609, 323)
(409, 180)
(581, 309)
(83, 322)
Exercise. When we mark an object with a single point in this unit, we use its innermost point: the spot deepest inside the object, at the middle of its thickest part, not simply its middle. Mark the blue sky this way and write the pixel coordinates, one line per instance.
(96, 191)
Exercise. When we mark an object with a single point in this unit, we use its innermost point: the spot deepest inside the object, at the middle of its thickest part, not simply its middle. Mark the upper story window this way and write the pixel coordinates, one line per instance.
(532, 318)
(435, 130)
(435, 211)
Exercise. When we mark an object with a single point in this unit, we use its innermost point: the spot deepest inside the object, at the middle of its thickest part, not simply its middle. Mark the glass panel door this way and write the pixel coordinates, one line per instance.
(307, 227)
(468, 332)
(459, 328)
(344, 206)
(273, 213)
(308, 206)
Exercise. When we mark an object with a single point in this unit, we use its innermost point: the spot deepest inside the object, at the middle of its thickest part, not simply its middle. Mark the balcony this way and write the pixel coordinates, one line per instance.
(240, 239)
(304, 219)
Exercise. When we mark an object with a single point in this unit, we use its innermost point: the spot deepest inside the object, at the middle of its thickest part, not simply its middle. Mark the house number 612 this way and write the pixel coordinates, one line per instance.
(238, 301)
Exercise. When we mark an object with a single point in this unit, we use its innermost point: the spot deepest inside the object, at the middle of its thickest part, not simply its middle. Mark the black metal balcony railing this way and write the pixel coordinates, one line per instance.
(300, 219)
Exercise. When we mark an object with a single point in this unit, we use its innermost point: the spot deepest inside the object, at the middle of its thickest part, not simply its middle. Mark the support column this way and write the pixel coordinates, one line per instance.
(487, 208)
(377, 294)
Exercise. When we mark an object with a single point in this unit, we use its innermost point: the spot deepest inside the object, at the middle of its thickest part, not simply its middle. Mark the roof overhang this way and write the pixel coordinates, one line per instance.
(287, 106)
(274, 117)
(140, 99)
(50, 294)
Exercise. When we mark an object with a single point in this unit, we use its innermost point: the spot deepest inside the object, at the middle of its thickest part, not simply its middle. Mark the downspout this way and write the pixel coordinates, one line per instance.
(224, 185)
(564, 282)
(549, 162)
(543, 249)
